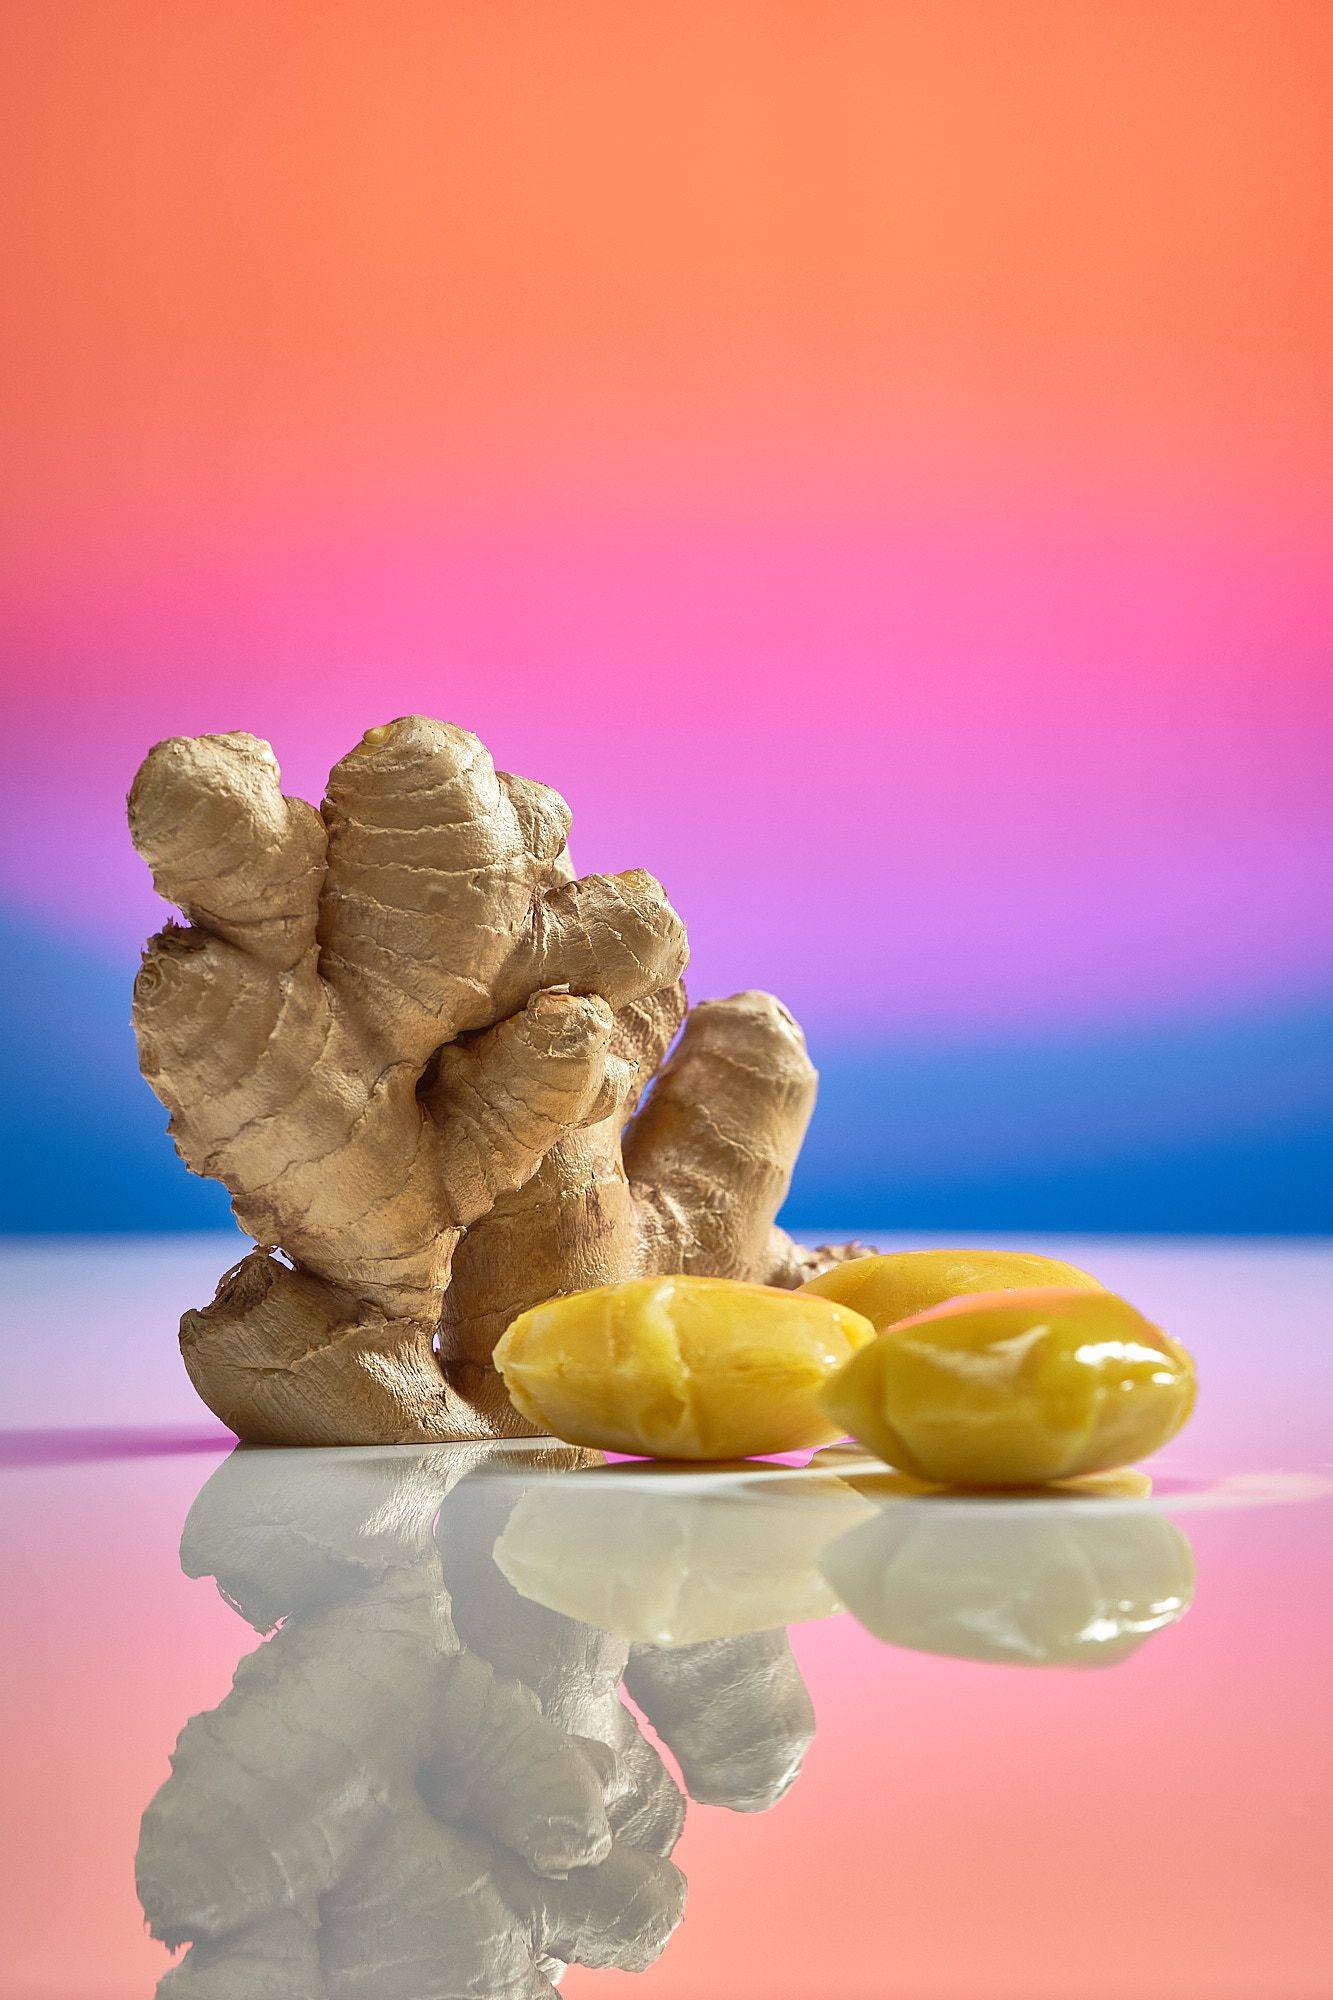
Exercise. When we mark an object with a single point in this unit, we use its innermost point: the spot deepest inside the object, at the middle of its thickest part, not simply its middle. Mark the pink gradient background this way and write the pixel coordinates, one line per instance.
(873, 459)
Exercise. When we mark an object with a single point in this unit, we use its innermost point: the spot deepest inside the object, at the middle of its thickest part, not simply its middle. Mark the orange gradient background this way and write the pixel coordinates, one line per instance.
(259, 250)
(873, 459)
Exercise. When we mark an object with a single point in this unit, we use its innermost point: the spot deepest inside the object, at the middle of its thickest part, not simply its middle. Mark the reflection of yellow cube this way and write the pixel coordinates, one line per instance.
(664, 1565)
(697, 1368)
(893, 1287)
(1040, 1582)
(1016, 1388)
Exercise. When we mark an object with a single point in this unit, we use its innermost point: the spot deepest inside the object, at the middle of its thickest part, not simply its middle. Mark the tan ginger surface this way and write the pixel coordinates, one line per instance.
(413, 1045)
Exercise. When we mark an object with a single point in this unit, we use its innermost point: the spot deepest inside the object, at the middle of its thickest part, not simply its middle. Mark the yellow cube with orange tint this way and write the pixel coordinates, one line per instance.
(1016, 1388)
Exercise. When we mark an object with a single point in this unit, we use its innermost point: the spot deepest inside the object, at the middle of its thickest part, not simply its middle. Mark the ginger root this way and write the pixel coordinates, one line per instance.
(411, 1043)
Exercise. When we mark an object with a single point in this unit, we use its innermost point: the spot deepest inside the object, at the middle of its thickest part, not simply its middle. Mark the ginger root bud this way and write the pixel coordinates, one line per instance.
(684, 1367)
(894, 1287)
(1016, 1388)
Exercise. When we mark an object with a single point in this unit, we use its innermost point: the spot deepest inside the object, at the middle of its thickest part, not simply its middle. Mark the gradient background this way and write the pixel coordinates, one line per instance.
(873, 459)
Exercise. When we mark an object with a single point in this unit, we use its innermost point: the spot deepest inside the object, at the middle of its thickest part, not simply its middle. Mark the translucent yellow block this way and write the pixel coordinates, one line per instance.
(894, 1287)
(1016, 1388)
(695, 1368)
(1036, 1582)
(665, 1564)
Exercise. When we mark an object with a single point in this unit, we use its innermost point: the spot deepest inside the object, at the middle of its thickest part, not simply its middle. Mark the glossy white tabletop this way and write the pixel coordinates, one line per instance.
(775, 1730)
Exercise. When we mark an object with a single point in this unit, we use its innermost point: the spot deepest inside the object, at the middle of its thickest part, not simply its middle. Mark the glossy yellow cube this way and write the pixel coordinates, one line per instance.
(1016, 1388)
(897, 1285)
(697, 1368)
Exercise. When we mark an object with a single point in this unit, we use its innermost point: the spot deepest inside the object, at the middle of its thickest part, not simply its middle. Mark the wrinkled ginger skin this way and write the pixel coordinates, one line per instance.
(691, 1184)
(408, 1040)
(684, 1367)
(1016, 1389)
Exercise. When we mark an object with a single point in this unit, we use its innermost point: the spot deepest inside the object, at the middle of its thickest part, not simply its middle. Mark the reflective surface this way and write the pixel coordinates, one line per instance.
(481, 1721)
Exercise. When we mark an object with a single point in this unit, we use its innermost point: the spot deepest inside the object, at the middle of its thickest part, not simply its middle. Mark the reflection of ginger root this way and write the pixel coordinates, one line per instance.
(702, 1583)
(1050, 1582)
(402, 1018)
(370, 1795)
(734, 1712)
(420, 1784)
